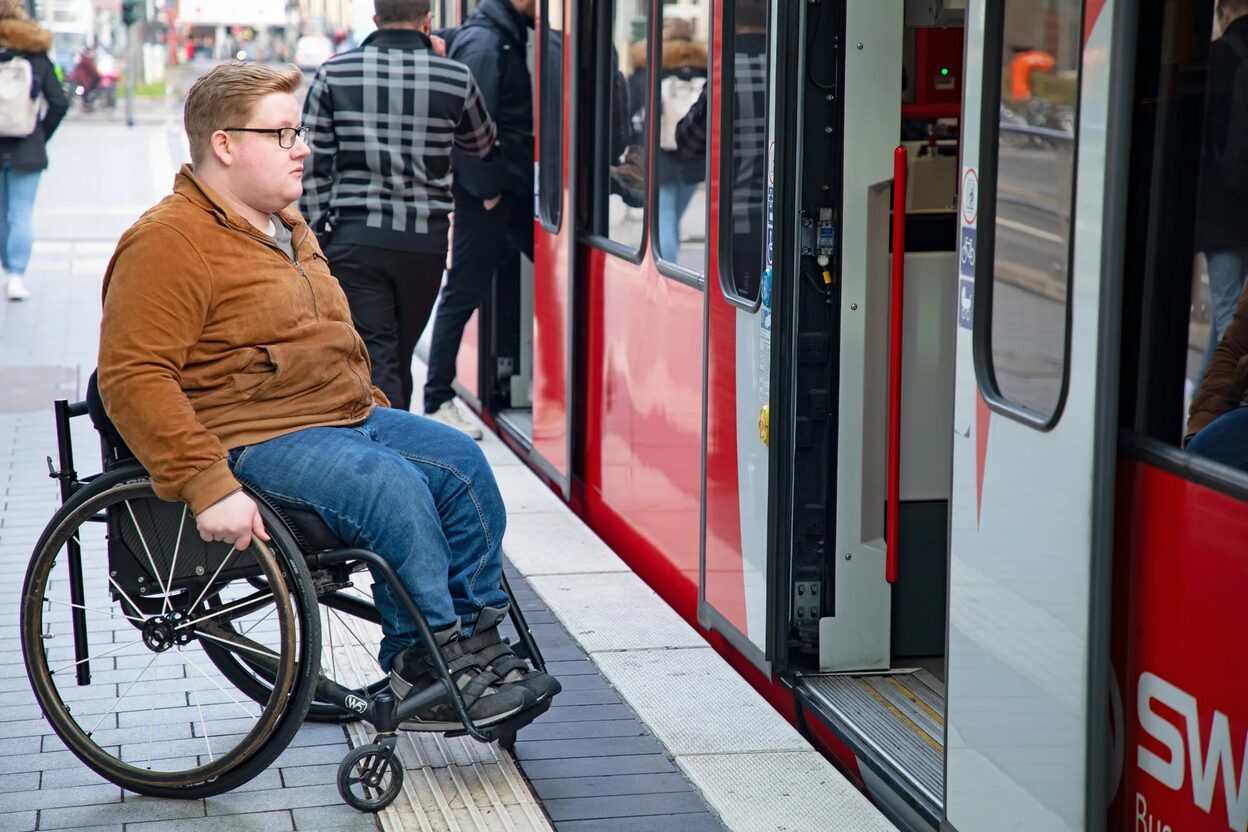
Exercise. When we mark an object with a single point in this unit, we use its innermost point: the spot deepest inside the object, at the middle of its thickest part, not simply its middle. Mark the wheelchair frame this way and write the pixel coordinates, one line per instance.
(381, 709)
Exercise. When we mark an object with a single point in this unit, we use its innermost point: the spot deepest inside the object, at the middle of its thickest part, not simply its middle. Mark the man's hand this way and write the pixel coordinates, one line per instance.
(492, 202)
(233, 520)
(439, 45)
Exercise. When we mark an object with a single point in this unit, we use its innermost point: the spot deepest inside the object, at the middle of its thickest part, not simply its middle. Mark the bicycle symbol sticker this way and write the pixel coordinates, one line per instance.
(966, 253)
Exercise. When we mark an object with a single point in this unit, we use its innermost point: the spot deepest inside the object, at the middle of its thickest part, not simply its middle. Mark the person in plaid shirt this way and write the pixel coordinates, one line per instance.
(382, 121)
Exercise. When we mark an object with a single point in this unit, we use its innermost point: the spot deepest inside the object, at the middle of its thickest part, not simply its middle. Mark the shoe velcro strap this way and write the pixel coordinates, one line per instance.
(480, 641)
(453, 650)
(477, 686)
(464, 663)
(505, 664)
(489, 655)
(456, 660)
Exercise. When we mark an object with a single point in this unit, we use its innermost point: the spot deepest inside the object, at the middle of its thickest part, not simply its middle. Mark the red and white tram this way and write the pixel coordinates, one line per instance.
(933, 506)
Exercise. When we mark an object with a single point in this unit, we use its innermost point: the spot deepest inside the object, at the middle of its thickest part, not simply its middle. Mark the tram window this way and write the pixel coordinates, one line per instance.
(1185, 375)
(618, 169)
(1030, 207)
(680, 207)
(743, 162)
(550, 97)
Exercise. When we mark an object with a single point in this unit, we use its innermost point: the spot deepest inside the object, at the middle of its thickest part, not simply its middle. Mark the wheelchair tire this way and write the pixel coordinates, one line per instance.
(180, 720)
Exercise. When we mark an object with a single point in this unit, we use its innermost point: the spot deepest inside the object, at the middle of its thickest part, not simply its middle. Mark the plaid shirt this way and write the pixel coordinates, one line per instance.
(382, 121)
(749, 132)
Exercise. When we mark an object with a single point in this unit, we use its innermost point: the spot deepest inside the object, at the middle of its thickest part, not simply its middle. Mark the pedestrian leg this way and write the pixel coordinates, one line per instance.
(1226, 283)
(477, 242)
(370, 289)
(416, 284)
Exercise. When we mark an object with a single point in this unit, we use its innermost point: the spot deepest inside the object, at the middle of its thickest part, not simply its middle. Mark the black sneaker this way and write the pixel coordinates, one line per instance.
(496, 655)
(487, 700)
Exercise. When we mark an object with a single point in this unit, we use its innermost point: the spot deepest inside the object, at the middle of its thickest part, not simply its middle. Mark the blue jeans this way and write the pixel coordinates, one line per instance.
(417, 492)
(674, 197)
(17, 210)
(1226, 282)
(1224, 440)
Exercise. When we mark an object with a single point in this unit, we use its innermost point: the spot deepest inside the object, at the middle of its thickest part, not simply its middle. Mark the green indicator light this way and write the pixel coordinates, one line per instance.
(944, 70)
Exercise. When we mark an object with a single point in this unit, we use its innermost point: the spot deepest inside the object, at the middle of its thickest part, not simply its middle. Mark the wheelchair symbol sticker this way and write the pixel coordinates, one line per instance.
(966, 253)
(966, 302)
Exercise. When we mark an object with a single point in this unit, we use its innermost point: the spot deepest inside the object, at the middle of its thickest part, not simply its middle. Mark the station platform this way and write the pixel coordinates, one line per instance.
(653, 731)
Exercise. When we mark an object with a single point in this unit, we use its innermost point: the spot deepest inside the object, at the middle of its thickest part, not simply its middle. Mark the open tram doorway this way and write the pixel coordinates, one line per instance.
(873, 100)
(494, 366)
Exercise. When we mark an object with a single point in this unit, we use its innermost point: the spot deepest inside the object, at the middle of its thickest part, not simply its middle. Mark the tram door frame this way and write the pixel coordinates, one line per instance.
(554, 256)
(1031, 520)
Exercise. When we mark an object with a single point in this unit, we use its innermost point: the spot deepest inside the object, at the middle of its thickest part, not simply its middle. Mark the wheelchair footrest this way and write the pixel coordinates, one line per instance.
(508, 727)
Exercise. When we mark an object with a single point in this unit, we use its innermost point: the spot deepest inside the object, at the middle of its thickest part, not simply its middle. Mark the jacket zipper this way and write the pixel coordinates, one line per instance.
(366, 389)
(316, 313)
(351, 333)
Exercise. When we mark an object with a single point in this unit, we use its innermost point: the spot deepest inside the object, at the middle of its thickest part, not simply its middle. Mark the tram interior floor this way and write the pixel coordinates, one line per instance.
(934, 665)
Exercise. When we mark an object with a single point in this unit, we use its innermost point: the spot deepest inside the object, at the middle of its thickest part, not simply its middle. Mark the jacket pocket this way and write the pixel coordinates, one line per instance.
(261, 373)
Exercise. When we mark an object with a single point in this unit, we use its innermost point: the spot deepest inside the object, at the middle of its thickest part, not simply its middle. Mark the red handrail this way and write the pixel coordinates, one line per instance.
(895, 324)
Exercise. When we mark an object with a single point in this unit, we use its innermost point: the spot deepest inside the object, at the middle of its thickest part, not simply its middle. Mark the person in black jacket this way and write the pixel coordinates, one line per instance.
(24, 158)
(1223, 193)
(493, 196)
(377, 190)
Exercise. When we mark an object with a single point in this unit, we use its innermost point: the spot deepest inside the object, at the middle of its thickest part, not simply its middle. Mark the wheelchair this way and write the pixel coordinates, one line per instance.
(178, 668)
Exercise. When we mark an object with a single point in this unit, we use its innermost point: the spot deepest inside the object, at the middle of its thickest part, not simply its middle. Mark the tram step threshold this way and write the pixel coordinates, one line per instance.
(894, 723)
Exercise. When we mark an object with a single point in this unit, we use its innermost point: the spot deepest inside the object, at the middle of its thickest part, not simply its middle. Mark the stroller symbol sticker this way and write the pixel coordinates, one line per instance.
(966, 302)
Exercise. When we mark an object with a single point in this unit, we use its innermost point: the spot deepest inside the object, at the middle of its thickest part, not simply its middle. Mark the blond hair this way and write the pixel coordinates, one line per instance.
(13, 10)
(226, 96)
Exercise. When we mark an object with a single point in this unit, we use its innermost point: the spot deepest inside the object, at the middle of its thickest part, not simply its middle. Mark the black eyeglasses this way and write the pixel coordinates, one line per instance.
(285, 135)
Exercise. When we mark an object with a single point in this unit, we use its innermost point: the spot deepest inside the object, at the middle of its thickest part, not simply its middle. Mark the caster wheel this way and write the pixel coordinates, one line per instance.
(508, 742)
(370, 777)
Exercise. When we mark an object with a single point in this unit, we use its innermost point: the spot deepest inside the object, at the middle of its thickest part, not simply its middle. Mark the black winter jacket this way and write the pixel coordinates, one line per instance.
(1223, 195)
(492, 43)
(22, 37)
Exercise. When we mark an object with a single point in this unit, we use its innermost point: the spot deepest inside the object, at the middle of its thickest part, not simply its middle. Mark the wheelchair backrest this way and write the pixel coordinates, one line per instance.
(112, 446)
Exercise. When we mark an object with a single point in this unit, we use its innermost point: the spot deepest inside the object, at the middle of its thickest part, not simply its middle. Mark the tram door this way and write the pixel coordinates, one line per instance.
(733, 592)
(1035, 413)
(553, 242)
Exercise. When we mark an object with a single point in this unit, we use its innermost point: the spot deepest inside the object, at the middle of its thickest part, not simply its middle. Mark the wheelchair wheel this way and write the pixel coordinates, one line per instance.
(350, 633)
(120, 603)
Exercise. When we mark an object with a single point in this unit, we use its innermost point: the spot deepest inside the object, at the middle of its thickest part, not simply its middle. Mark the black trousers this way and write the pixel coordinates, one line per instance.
(391, 294)
(482, 242)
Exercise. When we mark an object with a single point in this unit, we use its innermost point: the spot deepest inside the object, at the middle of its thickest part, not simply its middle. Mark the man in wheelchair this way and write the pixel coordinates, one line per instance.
(228, 356)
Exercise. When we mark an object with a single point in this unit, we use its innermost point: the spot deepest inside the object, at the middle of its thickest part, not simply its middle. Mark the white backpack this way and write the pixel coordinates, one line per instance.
(677, 96)
(19, 110)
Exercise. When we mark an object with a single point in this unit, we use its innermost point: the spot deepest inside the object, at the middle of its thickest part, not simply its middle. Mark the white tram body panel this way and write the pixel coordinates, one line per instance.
(1024, 516)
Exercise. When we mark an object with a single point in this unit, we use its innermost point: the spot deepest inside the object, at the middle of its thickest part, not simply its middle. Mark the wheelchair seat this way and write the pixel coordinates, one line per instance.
(307, 526)
(309, 529)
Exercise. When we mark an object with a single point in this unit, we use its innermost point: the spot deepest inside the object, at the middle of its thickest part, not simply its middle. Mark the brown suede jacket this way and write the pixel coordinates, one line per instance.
(213, 339)
(1226, 381)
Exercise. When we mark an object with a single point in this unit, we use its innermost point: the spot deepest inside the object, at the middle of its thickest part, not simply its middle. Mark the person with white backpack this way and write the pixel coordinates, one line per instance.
(32, 104)
(682, 77)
